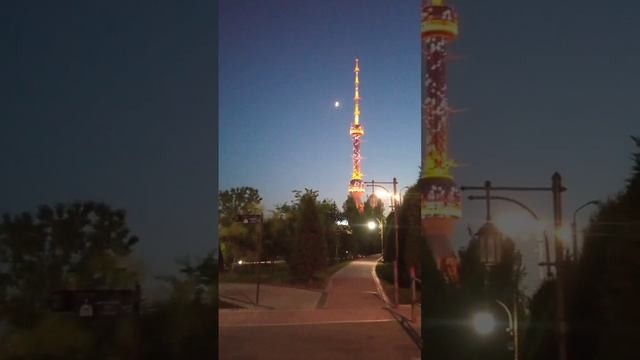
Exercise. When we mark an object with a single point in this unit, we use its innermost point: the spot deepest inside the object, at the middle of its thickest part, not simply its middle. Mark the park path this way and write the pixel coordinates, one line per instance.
(349, 322)
(354, 287)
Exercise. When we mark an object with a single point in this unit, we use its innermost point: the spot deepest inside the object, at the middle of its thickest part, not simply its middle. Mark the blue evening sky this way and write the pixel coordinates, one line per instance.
(114, 101)
(545, 86)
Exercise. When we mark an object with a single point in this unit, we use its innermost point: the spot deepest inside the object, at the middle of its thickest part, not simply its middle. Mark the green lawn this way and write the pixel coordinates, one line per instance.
(385, 273)
(278, 274)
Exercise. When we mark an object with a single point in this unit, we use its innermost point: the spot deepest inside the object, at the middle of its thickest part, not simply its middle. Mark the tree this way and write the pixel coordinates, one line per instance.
(330, 215)
(411, 242)
(602, 288)
(82, 245)
(236, 239)
(310, 248)
(355, 220)
(182, 327)
(238, 201)
(78, 244)
(604, 297)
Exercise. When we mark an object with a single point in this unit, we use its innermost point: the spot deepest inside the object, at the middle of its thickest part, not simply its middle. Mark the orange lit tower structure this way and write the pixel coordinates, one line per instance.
(440, 198)
(356, 185)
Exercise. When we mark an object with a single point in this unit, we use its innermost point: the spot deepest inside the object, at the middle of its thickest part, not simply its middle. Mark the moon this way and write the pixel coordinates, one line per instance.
(336, 104)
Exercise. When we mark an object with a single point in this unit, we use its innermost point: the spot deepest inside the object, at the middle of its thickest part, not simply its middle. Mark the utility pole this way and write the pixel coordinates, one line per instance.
(255, 219)
(556, 186)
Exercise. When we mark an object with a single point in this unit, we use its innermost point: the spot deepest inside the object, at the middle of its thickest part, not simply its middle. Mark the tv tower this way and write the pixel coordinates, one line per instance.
(356, 185)
(440, 198)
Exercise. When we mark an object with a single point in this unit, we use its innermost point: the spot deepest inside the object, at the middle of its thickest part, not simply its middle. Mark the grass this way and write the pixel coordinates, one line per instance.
(278, 274)
(385, 273)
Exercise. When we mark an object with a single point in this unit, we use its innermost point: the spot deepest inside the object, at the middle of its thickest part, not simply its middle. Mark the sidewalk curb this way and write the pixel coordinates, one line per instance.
(243, 304)
(402, 320)
(381, 292)
(406, 325)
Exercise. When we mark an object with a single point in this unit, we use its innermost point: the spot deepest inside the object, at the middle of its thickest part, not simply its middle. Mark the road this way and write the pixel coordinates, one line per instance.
(350, 322)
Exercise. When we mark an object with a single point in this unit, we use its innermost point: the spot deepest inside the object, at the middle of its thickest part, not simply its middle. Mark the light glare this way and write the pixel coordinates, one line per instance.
(371, 225)
(483, 323)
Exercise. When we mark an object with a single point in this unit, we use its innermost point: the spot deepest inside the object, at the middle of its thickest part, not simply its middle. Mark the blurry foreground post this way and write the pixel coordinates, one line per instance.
(255, 219)
(395, 262)
(556, 189)
(259, 256)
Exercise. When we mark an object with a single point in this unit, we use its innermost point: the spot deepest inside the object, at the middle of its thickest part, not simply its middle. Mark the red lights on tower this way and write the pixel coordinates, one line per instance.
(356, 185)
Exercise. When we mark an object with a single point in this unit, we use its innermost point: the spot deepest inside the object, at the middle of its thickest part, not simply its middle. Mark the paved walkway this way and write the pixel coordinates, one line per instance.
(349, 322)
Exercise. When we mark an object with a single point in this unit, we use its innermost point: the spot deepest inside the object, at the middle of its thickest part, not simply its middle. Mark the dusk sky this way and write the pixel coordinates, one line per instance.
(114, 101)
(546, 86)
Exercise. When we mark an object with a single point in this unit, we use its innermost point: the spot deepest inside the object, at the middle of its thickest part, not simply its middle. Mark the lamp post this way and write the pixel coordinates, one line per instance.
(574, 227)
(394, 200)
(400, 198)
(547, 263)
(556, 190)
(491, 239)
(372, 225)
(484, 323)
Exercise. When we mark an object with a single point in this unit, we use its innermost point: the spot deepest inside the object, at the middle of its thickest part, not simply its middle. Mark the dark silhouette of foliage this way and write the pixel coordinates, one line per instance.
(603, 287)
(78, 245)
(236, 239)
(310, 247)
(604, 309)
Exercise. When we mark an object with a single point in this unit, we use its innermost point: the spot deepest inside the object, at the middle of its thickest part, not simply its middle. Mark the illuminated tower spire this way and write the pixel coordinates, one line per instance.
(440, 199)
(356, 185)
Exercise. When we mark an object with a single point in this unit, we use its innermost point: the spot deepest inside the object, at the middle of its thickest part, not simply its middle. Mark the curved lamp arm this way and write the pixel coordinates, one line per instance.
(508, 314)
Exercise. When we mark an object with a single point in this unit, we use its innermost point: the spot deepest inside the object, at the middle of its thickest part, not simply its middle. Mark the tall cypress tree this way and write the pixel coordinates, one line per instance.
(310, 246)
(606, 291)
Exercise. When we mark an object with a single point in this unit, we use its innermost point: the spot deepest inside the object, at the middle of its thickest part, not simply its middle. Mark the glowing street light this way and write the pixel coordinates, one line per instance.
(483, 322)
(394, 208)
(371, 225)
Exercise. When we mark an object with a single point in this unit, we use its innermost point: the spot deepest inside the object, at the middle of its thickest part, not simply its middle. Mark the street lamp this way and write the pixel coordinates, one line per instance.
(490, 240)
(532, 213)
(556, 190)
(372, 225)
(400, 198)
(484, 323)
(574, 227)
(394, 207)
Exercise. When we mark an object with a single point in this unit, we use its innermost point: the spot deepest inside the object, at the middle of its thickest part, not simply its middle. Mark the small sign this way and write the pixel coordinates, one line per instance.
(94, 302)
(249, 219)
(86, 310)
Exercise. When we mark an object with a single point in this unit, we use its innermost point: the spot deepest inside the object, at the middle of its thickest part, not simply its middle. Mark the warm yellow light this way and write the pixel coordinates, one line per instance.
(371, 225)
